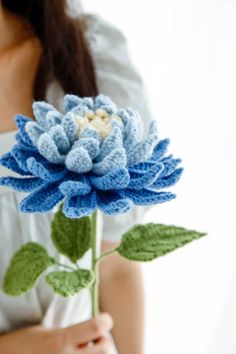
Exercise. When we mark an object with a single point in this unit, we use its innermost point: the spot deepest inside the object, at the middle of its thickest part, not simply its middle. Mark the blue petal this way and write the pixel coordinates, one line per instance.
(21, 184)
(78, 160)
(91, 145)
(113, 141)
(77, 207)
(112, 203)
(141, 167)
(146, 197)
(8, 161)
(42, 200)
(22, 145)
(71, 101)
(132, 134)
(104, 102)
(21, 157)
(146, 179)
(169, 166)
(59, 136)
(34, 131)
(41, 171)
(21, 122)
(48, 149)
(70, 127)
(40, 110)
(74, 188)
(141, 152)
(116, 179)
(90, 132)
(160, 149)
(116, 159)
(53, 118)
(168, 181)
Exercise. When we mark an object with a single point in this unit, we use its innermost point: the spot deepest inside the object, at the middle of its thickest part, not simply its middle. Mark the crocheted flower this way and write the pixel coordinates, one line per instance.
(91, 157)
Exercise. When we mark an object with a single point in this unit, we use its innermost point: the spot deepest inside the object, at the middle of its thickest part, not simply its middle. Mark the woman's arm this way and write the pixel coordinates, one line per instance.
(121, 294)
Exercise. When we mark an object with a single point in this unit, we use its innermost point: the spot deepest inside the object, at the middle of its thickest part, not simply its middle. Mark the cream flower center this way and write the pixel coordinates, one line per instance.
(99, 120)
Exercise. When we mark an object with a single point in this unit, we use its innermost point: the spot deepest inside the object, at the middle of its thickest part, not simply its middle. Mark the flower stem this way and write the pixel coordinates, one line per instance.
(106, 254)
(94, 287)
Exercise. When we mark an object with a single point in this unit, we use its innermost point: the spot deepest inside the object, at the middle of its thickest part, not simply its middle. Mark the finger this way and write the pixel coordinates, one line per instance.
(89, 330)
(102, 346)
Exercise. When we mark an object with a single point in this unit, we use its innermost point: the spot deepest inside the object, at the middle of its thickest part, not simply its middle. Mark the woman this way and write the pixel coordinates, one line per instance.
(43, 54)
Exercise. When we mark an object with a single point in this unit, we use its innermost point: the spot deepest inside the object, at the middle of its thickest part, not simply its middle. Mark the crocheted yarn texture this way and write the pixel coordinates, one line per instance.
(92, 156)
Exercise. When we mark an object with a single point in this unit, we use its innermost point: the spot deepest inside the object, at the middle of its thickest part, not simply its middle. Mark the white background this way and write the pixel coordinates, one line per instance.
(186, 51)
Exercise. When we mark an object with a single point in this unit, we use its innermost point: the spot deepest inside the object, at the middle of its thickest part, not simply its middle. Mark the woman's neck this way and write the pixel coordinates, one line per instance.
(12, 29)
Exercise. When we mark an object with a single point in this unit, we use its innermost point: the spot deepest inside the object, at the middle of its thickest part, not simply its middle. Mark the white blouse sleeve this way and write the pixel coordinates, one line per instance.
(117, 78)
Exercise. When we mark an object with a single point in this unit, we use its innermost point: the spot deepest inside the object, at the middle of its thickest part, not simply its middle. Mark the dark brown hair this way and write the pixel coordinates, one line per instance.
(65, 54)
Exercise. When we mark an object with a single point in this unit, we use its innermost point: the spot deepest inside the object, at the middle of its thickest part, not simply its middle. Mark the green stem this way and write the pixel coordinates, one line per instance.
(106, 254)
(94, 287)
(65, 266)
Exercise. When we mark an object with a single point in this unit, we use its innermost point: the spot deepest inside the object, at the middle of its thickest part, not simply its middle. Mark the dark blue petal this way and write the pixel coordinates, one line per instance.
(168, 181)
(20, 123)
(74, 188)
(160, 149)
(21, 157)
(169, 166)
(45, 172)
(146, 197)
(112, 203)
(42, 200)
(21, 184)
(146, 179)
(8, 161)
(141, 167)
(77, 207)
(116, 179)
(22, 145)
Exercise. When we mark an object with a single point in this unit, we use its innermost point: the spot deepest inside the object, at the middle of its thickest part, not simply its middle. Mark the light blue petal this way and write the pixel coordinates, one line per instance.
(104, 102)
(70, 127)
(132, 134)
(116, 159)
(34, 131)
(78, 160)
(40, 109)
(90, 132)
(74, 188)
(48, 149)
(53, 118)
(60, 138)
(91, 145)
(141, 152)
(71, 101)
(77, 207)
(117, 179)
(113, 141)
(42, 200)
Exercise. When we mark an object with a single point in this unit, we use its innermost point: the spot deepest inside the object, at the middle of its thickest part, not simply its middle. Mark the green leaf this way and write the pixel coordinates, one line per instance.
(25, 268)
(71, 236)
(147, 242)
(70, 283)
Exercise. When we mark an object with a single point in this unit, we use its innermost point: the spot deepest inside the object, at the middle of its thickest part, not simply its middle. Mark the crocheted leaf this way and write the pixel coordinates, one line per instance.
(71, 236)
(147, 242)
(70, 283)
(25, 268)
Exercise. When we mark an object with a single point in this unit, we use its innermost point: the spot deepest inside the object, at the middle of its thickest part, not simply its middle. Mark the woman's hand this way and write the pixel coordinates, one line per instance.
(75, 339)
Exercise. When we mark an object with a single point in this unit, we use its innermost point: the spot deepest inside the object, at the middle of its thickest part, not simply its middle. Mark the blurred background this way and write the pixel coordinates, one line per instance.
(186, 52)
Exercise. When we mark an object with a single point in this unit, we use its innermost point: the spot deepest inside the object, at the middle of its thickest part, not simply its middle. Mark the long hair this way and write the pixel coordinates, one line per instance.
(65, 54)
